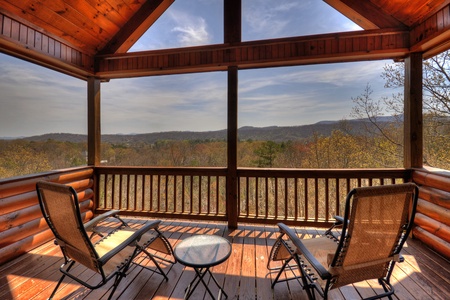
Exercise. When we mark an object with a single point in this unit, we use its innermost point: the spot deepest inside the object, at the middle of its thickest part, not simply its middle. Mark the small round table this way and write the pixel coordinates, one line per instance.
(202, 252)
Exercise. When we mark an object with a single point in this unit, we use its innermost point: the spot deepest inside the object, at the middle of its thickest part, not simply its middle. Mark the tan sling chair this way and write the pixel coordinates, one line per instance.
(364, 244)
(113, 253)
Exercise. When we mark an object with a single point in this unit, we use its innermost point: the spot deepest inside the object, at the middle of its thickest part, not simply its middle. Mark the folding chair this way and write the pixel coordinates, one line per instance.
(375, 226)
(113, 253)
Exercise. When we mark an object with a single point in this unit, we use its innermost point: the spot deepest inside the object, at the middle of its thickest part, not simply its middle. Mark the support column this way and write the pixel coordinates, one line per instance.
(232, 186)
(94, 133)
(232, 34)
(413, 116)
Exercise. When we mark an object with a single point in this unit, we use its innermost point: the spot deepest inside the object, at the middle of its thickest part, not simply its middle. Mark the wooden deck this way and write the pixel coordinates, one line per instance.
(424, 274)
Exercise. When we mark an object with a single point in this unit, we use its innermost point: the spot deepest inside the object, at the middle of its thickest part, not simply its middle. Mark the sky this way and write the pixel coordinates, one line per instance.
(35, 100)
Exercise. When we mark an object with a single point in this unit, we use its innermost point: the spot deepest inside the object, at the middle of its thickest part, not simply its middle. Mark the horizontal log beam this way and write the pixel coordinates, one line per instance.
(437, 180)
(432, 241)
(434, 227)
(434, 211)
(19, 185)
(317, 49)
(436, 196)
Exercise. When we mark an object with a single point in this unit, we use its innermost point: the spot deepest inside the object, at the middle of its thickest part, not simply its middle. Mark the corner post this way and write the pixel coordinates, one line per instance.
(94, 133)
(413, 116)
(232, 34)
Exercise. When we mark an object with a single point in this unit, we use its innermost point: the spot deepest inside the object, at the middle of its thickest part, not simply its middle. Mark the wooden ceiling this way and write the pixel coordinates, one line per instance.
(78, 36)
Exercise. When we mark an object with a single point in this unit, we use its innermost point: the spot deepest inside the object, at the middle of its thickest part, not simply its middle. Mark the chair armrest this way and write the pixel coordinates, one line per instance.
(339, 220)
(302, 250)
(89, 226)
(136, 236)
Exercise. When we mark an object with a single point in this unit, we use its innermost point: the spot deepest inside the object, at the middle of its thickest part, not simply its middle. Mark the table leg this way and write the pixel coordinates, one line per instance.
(199, 275)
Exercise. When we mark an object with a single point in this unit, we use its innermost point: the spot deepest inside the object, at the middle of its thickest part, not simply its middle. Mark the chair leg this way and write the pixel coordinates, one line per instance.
(117, 280)
(305, 280)
(157, 264)
(281, 270)
(61, 279)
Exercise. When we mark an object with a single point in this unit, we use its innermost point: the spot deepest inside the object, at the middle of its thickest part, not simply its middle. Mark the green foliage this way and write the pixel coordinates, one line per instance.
(266, 154)
(21, 157)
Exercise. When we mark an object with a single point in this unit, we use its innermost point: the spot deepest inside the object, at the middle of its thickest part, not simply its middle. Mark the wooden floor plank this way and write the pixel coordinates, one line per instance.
(423, 275)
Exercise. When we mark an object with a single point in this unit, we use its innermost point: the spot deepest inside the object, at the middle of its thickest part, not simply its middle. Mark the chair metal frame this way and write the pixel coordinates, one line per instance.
(139, 240)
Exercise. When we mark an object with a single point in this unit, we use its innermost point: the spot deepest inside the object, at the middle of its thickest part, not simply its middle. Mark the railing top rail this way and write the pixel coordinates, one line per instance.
(207, 171)
(326, 173)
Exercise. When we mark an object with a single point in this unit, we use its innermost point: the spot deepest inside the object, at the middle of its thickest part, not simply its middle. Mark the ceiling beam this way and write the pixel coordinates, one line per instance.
(317, 49)
(141, 21)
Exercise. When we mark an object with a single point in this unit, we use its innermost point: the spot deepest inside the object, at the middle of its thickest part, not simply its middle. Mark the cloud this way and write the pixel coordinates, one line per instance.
(191, 30)
(268, 18)
(195, 102)
(35, 100)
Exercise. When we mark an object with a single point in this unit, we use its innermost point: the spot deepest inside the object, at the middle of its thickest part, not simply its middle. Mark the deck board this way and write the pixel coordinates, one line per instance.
(423, 275)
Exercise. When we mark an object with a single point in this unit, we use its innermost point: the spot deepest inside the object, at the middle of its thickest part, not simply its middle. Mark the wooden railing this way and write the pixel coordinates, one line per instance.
(302, 196)
(196, 193)
(264, 195)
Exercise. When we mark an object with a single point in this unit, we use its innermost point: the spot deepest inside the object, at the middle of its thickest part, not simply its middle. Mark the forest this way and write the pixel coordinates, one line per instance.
(374, 144)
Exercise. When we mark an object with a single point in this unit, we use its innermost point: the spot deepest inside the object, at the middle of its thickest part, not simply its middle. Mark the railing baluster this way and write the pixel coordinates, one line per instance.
(296, 199)
(183, 198)
(267, 196)
(257, 196)
(191, 194)
(306, 200)
(166, 194)
(200, 194)
(217, 194)
(275, 179)
(327, 200)
(286, 199)
(338, 198)
(247, 196)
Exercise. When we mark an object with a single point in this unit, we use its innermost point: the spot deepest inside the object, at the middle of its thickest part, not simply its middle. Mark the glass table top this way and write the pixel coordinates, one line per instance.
(202, 251)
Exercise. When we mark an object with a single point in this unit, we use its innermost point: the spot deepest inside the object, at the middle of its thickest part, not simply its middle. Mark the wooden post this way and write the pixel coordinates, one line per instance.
(413, 118)
(232, 186)
(94, 133)
(232, 21)
(232, 34)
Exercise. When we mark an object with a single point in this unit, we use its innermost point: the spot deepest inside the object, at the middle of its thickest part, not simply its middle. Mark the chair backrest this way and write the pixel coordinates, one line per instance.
(376, 224)
(60, 207)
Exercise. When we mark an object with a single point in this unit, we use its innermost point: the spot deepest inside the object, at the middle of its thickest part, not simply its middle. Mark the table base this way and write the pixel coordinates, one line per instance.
(199, 277)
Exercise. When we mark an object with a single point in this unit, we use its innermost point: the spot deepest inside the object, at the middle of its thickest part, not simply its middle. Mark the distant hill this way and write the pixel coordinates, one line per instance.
(271, 133)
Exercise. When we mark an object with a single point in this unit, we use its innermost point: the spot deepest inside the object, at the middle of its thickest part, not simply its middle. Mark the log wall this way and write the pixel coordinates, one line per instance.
(22, 226)
(433, 210)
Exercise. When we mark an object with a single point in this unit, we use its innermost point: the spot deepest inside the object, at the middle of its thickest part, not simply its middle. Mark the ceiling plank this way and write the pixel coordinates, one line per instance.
(432, 36)
(318, 49)
(149, 12)
(24, 40)
(365, 14)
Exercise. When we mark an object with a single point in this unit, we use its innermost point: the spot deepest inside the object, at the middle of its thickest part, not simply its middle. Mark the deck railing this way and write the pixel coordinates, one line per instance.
(264, 195)
(177, 192)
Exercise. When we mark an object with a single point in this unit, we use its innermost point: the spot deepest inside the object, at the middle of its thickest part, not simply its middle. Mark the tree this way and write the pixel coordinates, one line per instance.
(266, 154)
(436, 103)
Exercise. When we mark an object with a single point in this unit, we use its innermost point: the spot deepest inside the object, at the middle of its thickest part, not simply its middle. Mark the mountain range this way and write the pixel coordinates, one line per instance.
(272, 133)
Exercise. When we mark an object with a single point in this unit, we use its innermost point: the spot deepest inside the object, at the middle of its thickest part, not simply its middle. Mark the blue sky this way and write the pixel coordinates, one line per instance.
(36, 101)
